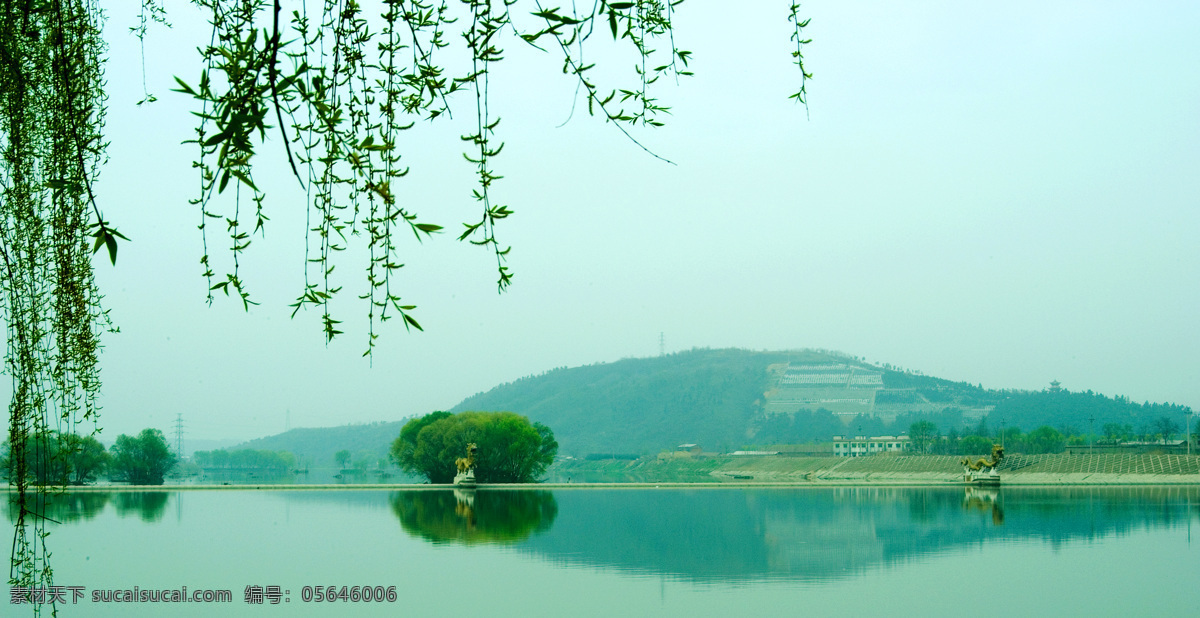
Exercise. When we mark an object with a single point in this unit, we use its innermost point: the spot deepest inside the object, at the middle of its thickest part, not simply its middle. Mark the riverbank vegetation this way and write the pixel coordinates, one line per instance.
(57, 459)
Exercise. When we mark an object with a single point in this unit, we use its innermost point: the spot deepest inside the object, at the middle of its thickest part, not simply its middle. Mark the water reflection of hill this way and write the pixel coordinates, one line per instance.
(820, 534)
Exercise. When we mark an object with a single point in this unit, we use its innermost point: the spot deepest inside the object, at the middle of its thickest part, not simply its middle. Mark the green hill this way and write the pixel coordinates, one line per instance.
(730, 399)
(643, 405)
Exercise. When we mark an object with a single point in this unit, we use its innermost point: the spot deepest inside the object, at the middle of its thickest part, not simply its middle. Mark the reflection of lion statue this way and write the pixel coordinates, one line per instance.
(997, 455)
(466, 464)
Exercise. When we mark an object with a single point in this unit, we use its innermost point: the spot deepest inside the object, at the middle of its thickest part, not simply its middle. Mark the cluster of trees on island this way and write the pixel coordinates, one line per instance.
(54, 458)
(511, 449)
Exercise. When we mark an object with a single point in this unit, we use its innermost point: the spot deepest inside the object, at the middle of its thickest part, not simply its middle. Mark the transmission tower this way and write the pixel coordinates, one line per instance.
(179, 434)
(662, 344)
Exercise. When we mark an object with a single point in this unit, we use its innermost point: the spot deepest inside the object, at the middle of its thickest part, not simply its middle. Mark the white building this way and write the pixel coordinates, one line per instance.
(860, 446)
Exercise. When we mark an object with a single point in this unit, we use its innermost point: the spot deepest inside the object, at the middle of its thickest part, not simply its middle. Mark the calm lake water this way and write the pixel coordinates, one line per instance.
(676, 552)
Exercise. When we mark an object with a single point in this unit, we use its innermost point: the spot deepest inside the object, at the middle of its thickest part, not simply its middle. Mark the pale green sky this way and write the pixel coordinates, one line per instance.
(1002, 193)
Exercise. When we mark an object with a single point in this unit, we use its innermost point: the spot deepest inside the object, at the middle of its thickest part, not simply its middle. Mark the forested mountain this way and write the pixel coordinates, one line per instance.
(1084, 412)
(729, 399)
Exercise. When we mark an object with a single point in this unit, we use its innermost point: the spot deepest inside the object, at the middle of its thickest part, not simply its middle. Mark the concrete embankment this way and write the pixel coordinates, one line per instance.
(1104, 469)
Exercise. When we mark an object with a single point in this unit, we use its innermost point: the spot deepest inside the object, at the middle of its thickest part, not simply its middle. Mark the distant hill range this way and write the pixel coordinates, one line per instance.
(731, 398)
(315, 446)
(728, 399)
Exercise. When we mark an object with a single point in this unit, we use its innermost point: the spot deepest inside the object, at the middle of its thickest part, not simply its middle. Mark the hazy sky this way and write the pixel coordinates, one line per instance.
(1002, 193)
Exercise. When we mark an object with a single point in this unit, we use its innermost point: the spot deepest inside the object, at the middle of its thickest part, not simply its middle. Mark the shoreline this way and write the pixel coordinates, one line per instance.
(726, 472)
(1143, 480)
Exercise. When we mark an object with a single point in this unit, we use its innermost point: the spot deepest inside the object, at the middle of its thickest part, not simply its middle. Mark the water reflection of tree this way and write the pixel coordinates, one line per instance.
(64, 507)
(149, 505)
(473, 517)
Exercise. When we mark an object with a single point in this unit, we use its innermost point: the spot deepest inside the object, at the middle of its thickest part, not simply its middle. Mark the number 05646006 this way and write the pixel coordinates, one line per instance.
(350, 594)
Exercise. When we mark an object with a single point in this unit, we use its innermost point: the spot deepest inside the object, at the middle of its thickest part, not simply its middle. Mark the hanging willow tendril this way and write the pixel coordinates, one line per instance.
(798, 26)
(336, 86)
(51, 122)
(339, 87)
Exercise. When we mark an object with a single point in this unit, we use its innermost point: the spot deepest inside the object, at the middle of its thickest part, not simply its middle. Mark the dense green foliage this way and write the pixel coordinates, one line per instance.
(511, 449)
(87, 457)
(404, 447)
(979, 441)
(1067, 409)
(58, 459)
(245, 459)
(141, 460)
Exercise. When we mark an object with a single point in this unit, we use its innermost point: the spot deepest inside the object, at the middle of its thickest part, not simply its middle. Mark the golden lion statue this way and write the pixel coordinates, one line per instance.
(997, 455)
(467, 463)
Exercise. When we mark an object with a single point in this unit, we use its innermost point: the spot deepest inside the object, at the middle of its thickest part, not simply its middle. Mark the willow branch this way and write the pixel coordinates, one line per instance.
(271, 79)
